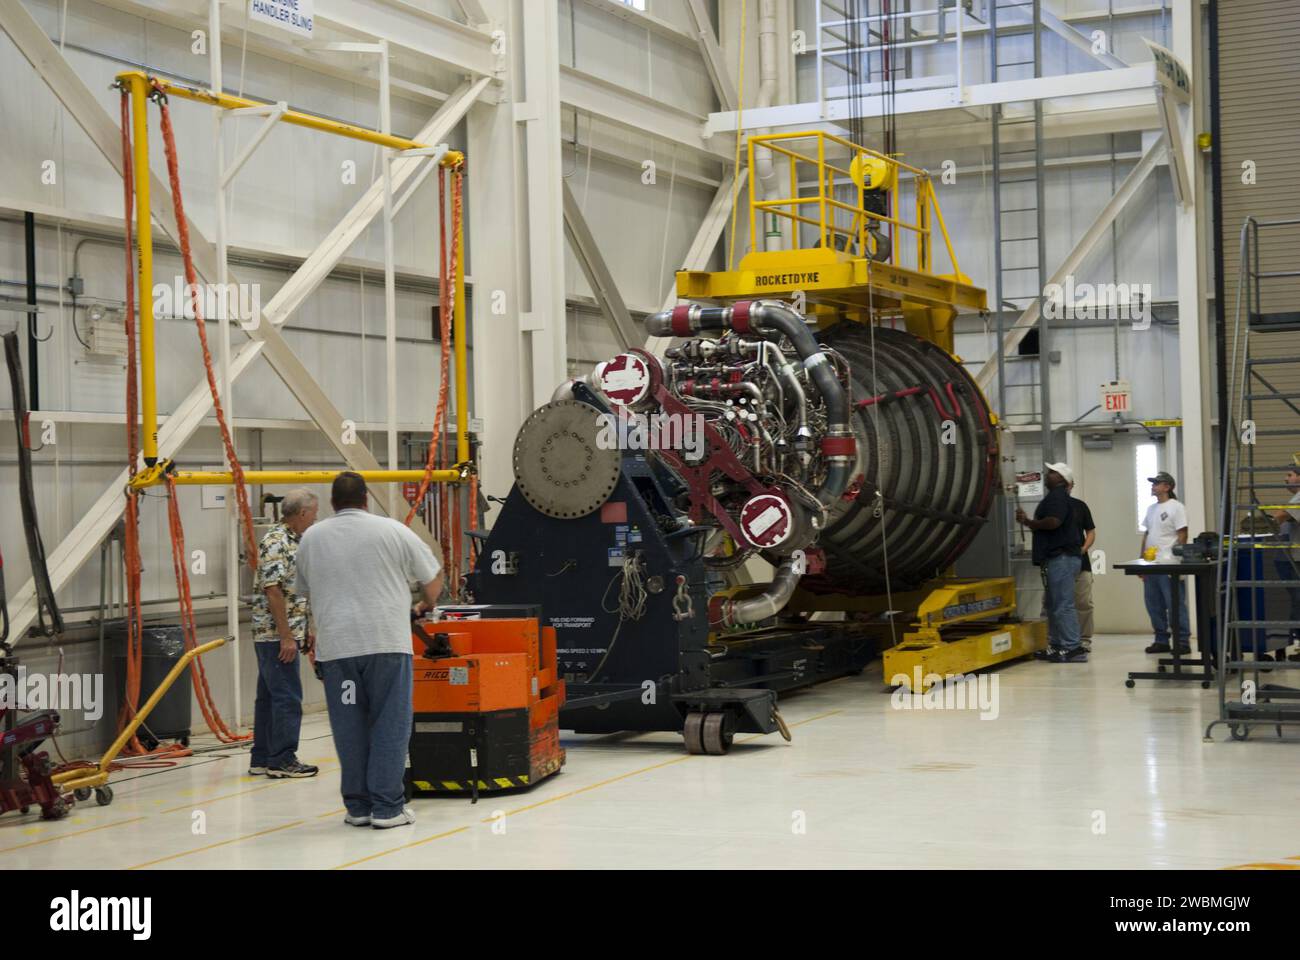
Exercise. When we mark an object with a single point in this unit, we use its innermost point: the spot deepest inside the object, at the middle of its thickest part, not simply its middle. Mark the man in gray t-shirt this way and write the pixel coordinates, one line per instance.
(356, 570)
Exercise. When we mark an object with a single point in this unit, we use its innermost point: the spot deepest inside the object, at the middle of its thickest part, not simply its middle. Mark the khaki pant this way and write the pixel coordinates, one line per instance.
(1082, 603)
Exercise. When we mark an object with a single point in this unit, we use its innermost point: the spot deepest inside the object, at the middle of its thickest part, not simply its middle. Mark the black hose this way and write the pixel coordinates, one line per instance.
(29, 242)
(45, 602)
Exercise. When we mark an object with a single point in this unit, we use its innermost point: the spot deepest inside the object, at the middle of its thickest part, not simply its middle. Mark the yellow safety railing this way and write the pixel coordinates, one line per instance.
(840, 225)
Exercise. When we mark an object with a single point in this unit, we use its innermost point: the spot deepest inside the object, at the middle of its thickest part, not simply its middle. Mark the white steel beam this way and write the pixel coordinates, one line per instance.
(546, 320)
(474, 13)
(182, 17)
(642, 18)
(1074, 259)
(641, 114)
(103, 131)
(1195, 348)
(1094, 83)
(712, 53)
(1076, 38)
(603, 288)
(421, 32)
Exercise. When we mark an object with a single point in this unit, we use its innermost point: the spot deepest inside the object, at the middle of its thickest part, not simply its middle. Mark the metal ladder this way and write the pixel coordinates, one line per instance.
(1247, 627)
(1019, 231)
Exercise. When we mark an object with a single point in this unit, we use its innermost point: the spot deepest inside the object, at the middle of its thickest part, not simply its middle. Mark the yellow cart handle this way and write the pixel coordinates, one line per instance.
(77, 779)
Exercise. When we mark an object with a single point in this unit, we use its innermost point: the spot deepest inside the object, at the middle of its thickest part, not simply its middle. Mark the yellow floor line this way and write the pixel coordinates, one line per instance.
(75, 833)
(571, 793)
(213, 846)
(1266, 866)
(332, 813)
(196, 803)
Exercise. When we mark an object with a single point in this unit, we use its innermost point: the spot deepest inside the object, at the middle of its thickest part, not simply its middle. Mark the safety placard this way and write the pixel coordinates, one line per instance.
(1029, 486)
(293, 15)
(1116, 397)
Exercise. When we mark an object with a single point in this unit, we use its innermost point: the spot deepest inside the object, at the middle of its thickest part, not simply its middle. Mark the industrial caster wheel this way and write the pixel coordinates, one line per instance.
(82, 794)
(719, 731)
(1239, 731)
(1130, 684)
(104, 796)
(1160, 668)
(693, 732)
(1205, 684)
(25, 808)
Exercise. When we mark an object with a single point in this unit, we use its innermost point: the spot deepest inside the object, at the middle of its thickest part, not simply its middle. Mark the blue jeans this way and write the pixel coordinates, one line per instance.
(370, 702)
(277, 712)
(1158, 593)
(1062, 619)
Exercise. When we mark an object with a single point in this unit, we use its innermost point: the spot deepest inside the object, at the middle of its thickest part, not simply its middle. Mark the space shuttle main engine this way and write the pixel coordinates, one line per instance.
(872, 444)
(834, 455)
(775, 409)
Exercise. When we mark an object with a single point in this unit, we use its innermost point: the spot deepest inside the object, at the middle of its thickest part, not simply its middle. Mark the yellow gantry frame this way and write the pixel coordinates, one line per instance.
(141, 86)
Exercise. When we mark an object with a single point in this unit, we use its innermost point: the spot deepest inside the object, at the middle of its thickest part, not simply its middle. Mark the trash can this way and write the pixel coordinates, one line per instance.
(161, 646)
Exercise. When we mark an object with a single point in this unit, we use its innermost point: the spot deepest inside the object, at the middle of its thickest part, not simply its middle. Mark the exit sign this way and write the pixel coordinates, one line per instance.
(1116, 397)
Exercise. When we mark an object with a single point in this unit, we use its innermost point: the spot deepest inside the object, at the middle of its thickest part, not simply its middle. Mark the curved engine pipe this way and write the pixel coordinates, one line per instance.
(768, 603)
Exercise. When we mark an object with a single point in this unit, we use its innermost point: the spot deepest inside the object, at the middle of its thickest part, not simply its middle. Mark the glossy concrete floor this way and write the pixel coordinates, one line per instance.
(1075, 771)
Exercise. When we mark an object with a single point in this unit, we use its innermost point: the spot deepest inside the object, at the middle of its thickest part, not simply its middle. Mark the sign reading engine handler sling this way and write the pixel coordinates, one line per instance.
(293, 15)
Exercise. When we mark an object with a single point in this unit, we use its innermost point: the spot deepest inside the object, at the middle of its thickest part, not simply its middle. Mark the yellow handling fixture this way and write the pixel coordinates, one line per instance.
(137, 84)
(95, 777)
(141, 86)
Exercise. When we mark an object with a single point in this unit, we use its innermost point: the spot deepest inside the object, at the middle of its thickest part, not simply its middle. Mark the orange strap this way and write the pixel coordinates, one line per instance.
(447, 258)
(197, 674)
(191, 278)
(131, 538)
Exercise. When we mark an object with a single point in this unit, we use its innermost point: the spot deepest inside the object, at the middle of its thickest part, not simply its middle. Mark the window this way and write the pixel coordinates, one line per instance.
(635, 4)
(1144, 465)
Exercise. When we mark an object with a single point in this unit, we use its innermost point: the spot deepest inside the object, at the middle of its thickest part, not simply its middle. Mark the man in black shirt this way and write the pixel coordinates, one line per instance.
(1083, 579)
(1057, 542)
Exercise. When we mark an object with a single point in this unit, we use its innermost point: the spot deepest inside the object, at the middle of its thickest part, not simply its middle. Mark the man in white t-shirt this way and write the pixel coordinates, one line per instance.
(356, 569)
(1164, 526)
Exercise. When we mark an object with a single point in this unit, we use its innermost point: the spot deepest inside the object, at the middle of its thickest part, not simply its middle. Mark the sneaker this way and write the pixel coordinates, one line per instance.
(1157, 647)
(401, 820)
(1184, 650)
(362, 821)
(292, 769)
(1086, 644)
(1050, 655)
(1077, 655)
(257, 771)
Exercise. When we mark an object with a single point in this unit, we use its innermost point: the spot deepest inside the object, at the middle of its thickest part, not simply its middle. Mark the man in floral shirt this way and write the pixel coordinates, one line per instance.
(279, 631)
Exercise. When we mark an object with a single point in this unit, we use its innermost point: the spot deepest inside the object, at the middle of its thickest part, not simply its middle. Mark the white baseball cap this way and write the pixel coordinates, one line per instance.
(1063, 469)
